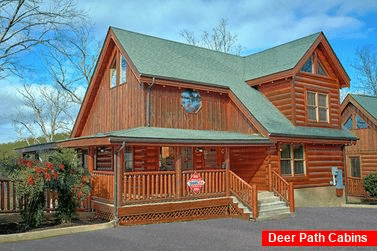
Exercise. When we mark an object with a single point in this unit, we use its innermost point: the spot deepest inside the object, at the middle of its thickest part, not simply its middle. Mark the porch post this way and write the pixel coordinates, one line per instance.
(118, 180)
(91, 159)
(120, 176)
(269, 177)
(178, 171)
(227, 172)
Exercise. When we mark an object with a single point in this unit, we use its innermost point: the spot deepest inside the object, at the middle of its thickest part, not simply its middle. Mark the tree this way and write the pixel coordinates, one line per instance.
(27, 24)
(47, 111)
(366, 66)
(219, 39)
(73, 58)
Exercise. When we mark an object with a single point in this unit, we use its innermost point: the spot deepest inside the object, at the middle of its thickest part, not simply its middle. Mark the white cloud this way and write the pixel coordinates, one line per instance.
(259, 23)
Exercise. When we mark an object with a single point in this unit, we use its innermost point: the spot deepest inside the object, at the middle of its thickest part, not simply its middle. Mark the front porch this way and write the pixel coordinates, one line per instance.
(140, 197)
(146, 174)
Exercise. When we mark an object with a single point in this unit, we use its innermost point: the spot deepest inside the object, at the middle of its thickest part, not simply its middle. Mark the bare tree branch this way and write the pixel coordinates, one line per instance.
(50, 113)
(219, 39)
(366, 66)
(27, 24)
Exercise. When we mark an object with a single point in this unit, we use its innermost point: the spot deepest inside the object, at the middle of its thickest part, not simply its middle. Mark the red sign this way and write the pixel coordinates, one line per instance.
(195, 183)
(295, 238)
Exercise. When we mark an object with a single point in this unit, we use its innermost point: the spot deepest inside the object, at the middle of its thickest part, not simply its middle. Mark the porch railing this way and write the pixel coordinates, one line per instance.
(215, 183)
(355, 187)
(244, 192)
(146, 186)
(282, 188)
(8, 198)
(103, 185)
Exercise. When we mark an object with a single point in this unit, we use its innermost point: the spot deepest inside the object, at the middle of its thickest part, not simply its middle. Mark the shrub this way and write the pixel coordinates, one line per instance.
(370, 184)
(72, 185)
(30, 186)
(61, 173)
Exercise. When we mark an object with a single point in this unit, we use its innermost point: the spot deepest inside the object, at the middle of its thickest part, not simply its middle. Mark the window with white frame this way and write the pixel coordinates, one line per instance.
(317, 107)
(292, 159)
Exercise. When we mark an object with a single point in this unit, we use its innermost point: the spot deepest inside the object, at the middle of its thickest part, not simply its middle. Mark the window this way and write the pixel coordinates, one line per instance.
(360, 123)
(321, 70)
(167, 158)
(191, 100)
(186, 153)
(314, 66)
(123, 68)
(308, 66)
(128, 159)
(113, 74)
(355, 166)
(349, 123)
(292, 160)
(317, 107)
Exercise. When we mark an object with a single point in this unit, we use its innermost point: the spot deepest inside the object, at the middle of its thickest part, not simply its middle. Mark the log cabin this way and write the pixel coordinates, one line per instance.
(172, 131)
(359, 115)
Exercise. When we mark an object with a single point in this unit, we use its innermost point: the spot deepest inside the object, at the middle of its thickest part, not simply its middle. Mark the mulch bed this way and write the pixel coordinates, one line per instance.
(12, 223)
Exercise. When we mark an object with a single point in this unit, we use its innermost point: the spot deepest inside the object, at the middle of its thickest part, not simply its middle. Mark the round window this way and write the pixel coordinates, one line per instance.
(191, 100)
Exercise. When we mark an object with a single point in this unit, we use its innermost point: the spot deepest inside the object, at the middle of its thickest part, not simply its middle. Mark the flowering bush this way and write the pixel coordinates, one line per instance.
(72, 185)
(61, 173)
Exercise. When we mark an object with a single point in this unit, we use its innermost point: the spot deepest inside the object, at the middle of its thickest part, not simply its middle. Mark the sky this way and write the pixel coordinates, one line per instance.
(259, 24)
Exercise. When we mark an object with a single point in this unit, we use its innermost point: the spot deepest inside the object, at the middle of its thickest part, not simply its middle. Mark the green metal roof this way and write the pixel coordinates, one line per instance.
(369, 103)
(184, 135)
(159, 57)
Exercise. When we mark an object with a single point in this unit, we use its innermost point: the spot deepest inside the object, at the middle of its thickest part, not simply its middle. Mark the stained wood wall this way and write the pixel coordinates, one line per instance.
(116, 108)
(366, 146)
(289, 95)
(251, 164)
(217, 112)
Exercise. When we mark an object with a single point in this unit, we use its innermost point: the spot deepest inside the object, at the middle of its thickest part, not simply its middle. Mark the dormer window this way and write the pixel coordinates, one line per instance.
(308, 66)
(360, 123)
(349, 123)
(313, 65)
(317, 107)
(320, 69)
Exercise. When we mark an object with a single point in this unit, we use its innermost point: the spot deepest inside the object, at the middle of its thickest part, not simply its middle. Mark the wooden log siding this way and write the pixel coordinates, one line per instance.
(249, 163)
(117, 108)
(216, 113)
(304, 82)
(103, 185)
(319, 160)
(289, 96)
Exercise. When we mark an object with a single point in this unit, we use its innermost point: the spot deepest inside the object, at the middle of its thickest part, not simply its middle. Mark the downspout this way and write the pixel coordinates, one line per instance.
(148, 108)
(116, 199)
(345, 172)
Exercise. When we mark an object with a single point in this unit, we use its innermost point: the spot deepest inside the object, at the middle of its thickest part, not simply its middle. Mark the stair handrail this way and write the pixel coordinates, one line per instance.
(244, 192)
(282, 188)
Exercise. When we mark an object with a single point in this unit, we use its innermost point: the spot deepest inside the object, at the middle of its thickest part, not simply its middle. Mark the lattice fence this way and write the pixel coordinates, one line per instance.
(186, 214)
